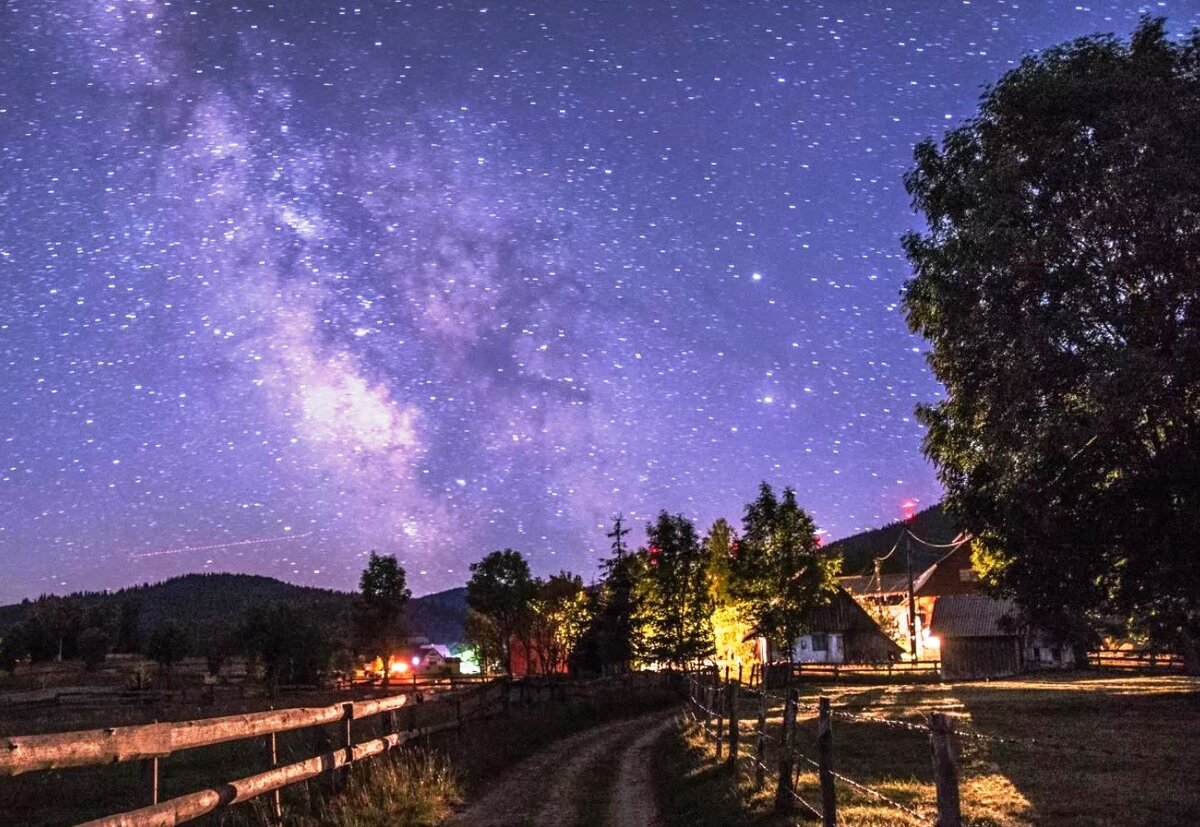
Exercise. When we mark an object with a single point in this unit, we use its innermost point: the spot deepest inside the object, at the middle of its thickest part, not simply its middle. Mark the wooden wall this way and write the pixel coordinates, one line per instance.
(980, 657)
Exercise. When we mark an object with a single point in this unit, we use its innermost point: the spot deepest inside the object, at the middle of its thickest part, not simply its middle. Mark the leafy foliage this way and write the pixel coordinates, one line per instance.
(379, 608)
(93, 645)
(560, 615)
(291, 646)
(1058, 285)
(781, 575)
(501, 589)
(674, 603)
(169, 643)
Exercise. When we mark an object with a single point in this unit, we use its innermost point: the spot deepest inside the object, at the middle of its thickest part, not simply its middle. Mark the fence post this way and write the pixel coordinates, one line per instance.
(734, 734)
(276, 799)
(347, 741)
(784, 800)
(760, 751)
(945, 770)
(825, 763)
(719, 706)
(150, 781)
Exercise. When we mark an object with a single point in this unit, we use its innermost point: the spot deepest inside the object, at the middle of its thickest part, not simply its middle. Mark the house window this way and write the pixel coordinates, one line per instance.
(820, 643)
(968, 575)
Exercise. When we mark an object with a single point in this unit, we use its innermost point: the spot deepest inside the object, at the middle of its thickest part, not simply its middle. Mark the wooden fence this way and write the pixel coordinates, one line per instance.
(150, 743)
(782, 674)
(1136, 659)
(872, 669)
(715, 704)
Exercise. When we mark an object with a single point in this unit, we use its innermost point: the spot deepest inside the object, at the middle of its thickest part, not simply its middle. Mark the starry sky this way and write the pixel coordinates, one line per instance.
(286, 282)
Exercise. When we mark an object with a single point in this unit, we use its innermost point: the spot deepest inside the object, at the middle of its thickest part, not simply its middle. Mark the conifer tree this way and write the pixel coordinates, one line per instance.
(676, 605)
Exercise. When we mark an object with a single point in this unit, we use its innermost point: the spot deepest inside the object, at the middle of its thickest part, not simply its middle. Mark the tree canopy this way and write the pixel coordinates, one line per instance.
(675, 605)
(780, 574)
(1058, 283)
(501, 590)
(379, 607)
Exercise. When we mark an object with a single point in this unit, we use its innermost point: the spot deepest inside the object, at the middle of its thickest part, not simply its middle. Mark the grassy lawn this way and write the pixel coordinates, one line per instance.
(1111, 750)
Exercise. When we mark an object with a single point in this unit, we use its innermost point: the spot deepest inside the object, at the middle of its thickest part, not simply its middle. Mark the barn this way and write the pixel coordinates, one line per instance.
(981, 637)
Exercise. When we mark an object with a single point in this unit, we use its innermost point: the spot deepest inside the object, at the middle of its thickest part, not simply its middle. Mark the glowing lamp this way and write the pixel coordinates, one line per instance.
(399, 667)
(416, 661)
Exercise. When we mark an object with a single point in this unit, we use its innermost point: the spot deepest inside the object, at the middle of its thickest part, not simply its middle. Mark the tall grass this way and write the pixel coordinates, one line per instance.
(411, 789)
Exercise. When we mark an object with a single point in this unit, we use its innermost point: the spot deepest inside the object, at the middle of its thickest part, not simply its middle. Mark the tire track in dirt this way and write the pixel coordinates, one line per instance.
(546, 788)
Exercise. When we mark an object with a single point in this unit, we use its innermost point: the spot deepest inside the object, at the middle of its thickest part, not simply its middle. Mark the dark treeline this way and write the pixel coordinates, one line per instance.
(665, 603)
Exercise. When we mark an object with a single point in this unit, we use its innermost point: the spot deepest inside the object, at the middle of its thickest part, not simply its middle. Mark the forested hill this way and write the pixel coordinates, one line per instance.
(859, 551)
(209, 601)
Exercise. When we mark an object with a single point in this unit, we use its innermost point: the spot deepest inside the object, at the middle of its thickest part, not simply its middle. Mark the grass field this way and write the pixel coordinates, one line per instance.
(1109, 750)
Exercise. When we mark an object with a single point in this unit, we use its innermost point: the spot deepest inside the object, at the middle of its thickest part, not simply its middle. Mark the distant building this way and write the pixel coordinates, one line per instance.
(842, 632)
(838, 632)
(982, 637)
(886, 596)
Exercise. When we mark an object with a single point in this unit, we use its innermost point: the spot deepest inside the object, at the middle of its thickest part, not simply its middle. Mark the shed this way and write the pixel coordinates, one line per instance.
(980, 636)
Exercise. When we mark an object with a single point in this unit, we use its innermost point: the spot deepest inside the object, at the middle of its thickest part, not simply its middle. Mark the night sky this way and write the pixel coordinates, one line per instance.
(285, 282)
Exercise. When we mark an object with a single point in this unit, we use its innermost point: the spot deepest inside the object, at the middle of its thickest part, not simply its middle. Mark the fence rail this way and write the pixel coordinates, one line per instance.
(149, 743)
(1135, 659)
(873, 669)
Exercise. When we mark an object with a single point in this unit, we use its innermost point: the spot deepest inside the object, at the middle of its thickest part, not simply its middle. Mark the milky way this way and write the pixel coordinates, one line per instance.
(286, 282)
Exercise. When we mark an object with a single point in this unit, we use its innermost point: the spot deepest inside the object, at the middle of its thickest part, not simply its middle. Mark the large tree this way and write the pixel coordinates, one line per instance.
(779, 571)
(501, 589)
(169, 643)
(732, 627)
(674, 603)
(291, 644)
(617, 631)
(1058, 283)
(559, 615)
(379, 608)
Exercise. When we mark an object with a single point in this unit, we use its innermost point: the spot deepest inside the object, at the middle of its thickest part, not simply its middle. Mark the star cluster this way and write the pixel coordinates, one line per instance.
(289, 281)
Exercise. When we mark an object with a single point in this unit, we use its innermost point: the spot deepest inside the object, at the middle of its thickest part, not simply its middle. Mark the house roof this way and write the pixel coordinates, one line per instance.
(973, 615)
(842, 614)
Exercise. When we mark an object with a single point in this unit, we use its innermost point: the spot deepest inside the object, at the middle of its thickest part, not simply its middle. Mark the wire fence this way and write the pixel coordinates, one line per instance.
(967, 733)
(713, 701)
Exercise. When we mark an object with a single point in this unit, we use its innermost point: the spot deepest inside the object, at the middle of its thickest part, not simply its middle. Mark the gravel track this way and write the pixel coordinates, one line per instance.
(548, 787)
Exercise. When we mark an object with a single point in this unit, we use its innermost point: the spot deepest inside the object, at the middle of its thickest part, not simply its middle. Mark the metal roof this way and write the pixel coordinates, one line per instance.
(973, 615)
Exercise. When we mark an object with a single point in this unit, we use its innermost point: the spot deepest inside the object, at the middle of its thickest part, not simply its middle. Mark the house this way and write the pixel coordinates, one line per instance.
(841, 631)
(886, 596)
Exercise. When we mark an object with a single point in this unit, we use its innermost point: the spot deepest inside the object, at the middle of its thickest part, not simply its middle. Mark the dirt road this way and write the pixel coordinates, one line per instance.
(600, 776)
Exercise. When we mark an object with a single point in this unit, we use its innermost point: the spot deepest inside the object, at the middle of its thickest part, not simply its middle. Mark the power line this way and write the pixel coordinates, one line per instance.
(953, 545)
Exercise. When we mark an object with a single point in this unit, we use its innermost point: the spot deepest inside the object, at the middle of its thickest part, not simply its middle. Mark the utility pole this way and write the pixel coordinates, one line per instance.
(912, 600)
